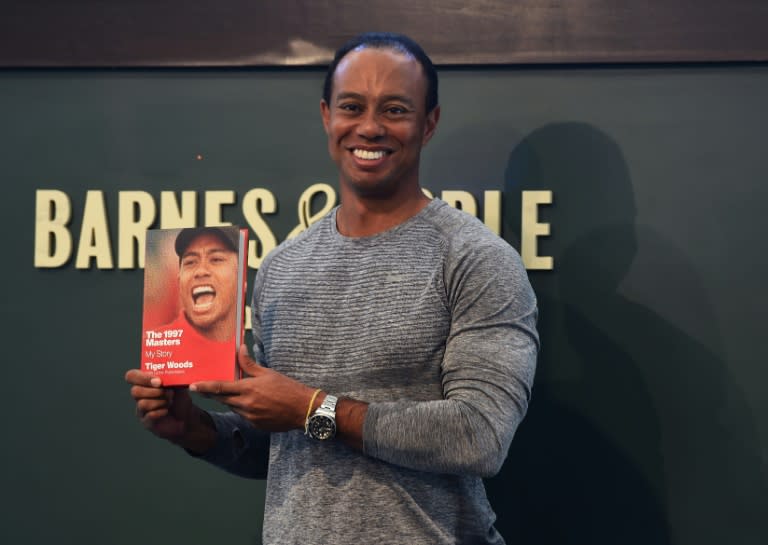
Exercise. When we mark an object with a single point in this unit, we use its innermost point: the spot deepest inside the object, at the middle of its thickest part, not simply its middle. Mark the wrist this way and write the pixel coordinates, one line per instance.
(199, 434)
(321, 423)
(313, 400)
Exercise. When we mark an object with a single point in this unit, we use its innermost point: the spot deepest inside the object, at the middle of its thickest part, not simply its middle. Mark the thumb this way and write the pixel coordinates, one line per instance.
(247, 364)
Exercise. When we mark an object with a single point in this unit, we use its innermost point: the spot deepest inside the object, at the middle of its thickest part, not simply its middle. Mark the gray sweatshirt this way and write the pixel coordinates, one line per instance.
(433, 323)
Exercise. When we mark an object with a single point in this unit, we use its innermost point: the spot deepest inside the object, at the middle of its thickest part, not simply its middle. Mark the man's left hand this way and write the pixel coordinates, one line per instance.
(269, 400)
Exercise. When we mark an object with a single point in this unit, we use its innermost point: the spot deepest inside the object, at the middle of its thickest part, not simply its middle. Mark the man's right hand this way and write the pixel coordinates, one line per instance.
(170, 414)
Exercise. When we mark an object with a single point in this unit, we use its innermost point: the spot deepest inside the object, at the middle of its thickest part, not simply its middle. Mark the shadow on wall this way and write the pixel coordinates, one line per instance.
(636, 433)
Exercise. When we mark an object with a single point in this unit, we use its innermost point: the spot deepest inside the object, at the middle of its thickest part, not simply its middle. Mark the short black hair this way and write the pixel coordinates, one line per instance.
(386, 40)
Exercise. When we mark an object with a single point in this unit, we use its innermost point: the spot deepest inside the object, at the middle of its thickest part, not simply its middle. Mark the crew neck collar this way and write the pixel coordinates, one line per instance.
(428, 208)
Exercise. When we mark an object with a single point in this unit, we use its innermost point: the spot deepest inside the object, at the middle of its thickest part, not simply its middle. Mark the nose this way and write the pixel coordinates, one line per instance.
(201, 269)
(370, 126)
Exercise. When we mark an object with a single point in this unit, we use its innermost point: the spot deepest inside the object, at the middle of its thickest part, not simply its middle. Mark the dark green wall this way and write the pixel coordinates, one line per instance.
(649, 421)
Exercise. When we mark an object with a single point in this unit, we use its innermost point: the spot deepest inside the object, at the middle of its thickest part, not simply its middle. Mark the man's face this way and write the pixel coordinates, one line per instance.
(377, 122)
(208, 282)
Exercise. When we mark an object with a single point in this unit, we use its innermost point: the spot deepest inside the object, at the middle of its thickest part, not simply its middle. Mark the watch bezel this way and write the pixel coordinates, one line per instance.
(321, 427)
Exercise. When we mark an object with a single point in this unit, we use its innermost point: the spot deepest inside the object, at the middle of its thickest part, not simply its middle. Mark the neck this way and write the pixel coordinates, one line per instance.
(221, 331)
(361, 217)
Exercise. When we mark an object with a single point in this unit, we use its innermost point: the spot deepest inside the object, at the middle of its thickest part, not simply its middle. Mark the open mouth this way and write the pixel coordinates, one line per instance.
(202, 297)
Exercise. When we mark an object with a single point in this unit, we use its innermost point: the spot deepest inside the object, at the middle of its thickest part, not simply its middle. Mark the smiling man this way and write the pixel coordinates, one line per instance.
(394, 340)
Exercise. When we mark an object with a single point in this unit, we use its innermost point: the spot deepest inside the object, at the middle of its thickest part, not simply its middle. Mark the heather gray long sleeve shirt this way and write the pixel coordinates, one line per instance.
(433, 324)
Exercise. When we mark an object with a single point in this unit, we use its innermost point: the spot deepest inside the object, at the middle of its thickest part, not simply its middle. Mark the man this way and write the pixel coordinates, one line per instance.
(208, 280)
(413, 324)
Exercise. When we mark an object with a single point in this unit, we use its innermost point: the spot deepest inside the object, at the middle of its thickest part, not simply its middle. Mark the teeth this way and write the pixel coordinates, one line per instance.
(199, 290)
(369, 155)
(202, 297)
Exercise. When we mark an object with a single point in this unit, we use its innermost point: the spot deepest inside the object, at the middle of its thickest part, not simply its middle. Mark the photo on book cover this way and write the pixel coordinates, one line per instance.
(194, 289)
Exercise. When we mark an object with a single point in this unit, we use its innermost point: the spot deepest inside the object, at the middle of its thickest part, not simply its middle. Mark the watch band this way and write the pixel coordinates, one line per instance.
(329, 403)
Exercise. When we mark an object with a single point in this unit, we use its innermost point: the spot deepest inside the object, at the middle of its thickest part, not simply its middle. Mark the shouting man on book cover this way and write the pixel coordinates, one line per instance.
(208, 281)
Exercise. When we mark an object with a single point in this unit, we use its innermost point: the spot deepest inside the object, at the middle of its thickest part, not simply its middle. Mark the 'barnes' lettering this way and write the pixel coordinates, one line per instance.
(137, 211)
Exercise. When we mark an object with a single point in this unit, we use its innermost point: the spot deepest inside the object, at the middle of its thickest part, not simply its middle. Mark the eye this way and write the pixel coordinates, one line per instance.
(188, 262)
(396, 111)
(350, 107)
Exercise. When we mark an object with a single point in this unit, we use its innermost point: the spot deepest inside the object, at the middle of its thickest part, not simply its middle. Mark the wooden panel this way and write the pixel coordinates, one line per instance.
(51, 33)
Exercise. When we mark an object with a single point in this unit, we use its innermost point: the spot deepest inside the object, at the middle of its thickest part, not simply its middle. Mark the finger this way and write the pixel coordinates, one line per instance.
(142, 392)
(215, 388)
(148, 419)
(139, 378)
(147, 406)
(157, 412)
(248, 365)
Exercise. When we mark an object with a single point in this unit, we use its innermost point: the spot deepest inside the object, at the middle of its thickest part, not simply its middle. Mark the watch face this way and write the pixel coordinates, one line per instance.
(321, 427)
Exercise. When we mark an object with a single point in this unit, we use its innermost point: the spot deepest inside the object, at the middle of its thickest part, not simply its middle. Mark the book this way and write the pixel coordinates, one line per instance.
(194, 303)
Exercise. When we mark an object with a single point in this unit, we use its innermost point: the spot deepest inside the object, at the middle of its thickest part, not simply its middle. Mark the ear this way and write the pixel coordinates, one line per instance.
(431, 125)
(325, 113)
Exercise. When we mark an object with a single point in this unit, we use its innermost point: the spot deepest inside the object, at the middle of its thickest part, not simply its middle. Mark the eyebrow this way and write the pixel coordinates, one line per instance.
(208, 252)
(386, 98)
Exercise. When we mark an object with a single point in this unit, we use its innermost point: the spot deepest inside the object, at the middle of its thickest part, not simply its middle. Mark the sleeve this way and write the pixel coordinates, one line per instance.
(487, 372)
(240, 448)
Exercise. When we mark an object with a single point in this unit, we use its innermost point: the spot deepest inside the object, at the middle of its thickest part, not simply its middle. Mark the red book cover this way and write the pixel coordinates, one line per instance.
(194, 303)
